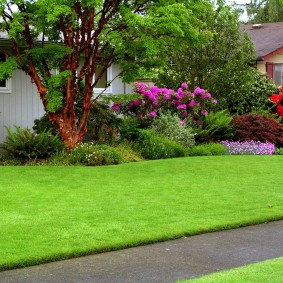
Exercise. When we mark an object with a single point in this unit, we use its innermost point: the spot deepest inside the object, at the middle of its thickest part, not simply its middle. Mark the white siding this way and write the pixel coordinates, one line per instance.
(20, 107)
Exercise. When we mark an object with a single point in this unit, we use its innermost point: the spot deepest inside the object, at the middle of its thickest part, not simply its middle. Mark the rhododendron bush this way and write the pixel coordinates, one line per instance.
(277, 99)
(190, 106)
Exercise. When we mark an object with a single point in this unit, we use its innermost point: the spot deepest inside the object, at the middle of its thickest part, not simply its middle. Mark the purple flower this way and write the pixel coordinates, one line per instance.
(115, 107)
(199, 90)
(214, 101)
(182, 106)
(204, 112)
(206, 95)
(152, 114)
(184, 85)
(192, 103)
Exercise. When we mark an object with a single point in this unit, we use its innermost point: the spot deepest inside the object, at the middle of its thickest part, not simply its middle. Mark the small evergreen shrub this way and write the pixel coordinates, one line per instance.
(128, 152)
(254, 127)
(129, 129)
(279, 151)
(208, 150)
(169, 125)
(24, 144)
(153, 146)
(94, 155)
(215, 127)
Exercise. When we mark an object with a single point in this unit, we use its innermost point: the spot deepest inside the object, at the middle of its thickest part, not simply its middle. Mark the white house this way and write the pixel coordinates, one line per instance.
(20, 104)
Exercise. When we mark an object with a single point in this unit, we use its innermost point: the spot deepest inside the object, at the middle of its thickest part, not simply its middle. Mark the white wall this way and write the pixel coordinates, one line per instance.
(20, 107)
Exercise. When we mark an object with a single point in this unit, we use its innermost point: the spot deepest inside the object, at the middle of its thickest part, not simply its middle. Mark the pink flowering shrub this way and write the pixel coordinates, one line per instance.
(190, 106)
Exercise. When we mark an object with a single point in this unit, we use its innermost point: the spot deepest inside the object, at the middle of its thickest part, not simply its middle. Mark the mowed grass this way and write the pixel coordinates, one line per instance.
(263, 272)
(51, 213)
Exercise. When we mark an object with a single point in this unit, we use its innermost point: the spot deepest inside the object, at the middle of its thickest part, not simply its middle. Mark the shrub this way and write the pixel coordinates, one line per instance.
(25, 144)
(187, 105)
(170, 126)
(153, 146)
(279, 151)
(208, 149)
(128, 153)
(129, 129)
(94, 155)
(215, 127)
(254, 127)
(249, 147)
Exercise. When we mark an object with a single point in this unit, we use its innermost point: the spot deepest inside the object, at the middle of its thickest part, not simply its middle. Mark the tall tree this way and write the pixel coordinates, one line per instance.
(222, 65)
(80, 39)
(264, 11)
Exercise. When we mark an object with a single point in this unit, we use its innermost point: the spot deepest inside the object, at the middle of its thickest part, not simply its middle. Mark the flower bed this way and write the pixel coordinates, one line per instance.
(249, 147)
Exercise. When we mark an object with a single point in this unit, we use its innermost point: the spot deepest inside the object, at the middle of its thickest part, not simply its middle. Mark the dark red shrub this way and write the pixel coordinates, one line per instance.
(258, 128)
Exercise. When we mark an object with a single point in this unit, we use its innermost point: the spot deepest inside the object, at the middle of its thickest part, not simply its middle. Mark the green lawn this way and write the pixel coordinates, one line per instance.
(50, 213)
(263, 272)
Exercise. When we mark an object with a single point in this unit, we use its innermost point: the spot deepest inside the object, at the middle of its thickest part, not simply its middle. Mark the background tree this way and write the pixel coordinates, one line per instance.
(80, 39)
(264, 11)
(223, 66)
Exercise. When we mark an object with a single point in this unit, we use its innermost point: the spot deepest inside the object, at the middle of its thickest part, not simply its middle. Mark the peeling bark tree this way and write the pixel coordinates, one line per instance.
(61, 44)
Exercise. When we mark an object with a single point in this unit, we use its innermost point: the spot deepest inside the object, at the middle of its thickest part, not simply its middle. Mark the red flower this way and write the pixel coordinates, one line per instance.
(276, 98)
(279, 109)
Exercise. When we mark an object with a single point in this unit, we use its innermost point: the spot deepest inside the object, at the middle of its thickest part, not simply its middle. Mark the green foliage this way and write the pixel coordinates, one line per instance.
(214, 127)
(128, 152)
(129, 129)
(169, 125)
(24, 144)
(264, 11)
(94, 155)
(43, 124)
(102, 124)
(7, 68)
(223, 66)
(153, 146)
(279, 151)
(208, 149)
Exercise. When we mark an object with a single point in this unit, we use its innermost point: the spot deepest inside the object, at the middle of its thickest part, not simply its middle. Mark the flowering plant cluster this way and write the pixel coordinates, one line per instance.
(277, 99)
(249, 147)
(190, 106)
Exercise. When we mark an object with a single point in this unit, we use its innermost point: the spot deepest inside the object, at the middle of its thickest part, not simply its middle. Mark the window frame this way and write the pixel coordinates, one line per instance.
(108, 90)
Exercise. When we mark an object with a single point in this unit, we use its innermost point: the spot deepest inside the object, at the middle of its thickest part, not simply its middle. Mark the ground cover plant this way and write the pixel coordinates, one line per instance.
(249, 147)
(266, 271)
(51, 213)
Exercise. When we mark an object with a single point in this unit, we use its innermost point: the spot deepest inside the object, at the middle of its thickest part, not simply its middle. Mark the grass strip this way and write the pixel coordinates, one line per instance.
(266, 271)
(52, 213)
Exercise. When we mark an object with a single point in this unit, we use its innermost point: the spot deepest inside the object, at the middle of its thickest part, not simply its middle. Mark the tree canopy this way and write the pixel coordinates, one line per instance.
(64, 44)
(224, 65)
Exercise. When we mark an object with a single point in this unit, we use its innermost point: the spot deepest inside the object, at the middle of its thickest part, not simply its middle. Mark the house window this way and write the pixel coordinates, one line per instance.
(5, 85)
(103, 81)
(278, 74)
(275, 72)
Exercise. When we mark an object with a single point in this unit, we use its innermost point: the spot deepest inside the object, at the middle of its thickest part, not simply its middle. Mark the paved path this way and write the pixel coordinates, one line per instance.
(163, 262)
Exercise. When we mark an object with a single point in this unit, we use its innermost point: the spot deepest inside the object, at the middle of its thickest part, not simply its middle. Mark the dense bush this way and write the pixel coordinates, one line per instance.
(24, 144)
(170, 126)
(254, 127)
(153, 146)
(94, 155)
(215, 127)
(208, 149)
(129, 128)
